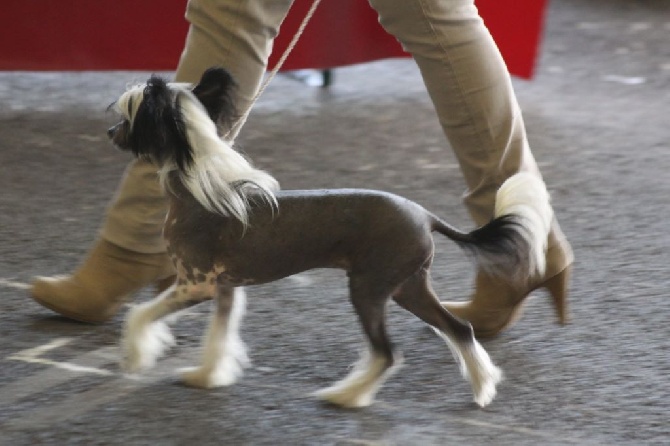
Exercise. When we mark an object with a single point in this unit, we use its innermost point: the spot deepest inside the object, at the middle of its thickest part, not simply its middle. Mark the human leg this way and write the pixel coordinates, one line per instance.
(472, 92)
(130, 253)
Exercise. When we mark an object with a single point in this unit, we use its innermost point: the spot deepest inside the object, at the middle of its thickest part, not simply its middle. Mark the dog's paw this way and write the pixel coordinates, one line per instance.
(237, 350)
(483, 375)
(206, 378)
(344, 398)
(484, 388)
(143, 346)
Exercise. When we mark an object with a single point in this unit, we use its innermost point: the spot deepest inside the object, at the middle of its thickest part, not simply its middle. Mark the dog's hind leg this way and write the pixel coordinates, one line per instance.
(224, 353)
(358, 389)
(145, 335)
(417, 296)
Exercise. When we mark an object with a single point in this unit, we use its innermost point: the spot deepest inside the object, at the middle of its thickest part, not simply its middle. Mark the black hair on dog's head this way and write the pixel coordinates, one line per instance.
(158, 131)
(155, 128)
(215, 92)
(175, 126)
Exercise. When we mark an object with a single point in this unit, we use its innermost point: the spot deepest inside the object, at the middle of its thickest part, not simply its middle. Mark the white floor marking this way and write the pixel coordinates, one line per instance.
(87, 401)
(32, 355)
(13, 284)
(64, 365)
(52, 377)
(41, 349)
(75, 405)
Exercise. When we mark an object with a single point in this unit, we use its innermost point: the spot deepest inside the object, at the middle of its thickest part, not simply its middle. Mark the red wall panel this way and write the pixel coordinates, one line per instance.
(149, 35)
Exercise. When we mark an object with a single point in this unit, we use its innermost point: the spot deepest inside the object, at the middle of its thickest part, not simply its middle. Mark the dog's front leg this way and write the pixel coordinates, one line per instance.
(145, 335)
(224, 353)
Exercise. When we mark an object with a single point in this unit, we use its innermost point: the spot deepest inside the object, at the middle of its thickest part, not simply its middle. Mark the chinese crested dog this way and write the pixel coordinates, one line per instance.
(230, 226)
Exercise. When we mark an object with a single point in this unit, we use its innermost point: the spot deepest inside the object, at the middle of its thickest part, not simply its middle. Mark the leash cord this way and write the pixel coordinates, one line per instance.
(234, 130)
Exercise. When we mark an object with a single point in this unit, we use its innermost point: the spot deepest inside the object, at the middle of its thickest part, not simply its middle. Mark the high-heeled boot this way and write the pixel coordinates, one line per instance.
(497, 304)
(103, 283)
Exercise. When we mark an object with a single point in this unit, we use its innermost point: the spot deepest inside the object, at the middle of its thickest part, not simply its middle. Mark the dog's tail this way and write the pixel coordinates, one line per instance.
(514, 242)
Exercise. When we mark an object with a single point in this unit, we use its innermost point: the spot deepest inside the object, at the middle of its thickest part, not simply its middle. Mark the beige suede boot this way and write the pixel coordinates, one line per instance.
(496, 304)
(103, 283)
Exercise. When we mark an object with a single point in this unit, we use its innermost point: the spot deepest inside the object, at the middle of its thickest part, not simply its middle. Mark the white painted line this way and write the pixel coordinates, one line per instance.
(40, 349)
(63, 365)
(74, 406)
(84, 402)
(52, 377)
(12, 284)
(32, 355)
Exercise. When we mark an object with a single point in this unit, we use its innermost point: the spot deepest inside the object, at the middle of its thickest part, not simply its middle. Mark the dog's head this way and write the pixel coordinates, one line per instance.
(153, 125)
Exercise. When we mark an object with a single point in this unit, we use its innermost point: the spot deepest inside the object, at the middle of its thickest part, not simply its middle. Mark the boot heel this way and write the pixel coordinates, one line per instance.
(557, 286)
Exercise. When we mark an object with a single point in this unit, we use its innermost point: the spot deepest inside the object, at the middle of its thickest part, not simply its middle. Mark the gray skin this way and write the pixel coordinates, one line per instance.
(382, 240)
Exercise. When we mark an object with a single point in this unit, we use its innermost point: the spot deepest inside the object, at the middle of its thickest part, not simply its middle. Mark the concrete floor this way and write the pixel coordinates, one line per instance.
(597, 117)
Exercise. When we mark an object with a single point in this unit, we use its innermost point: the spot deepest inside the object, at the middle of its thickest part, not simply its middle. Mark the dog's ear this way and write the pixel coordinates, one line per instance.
(158, 130)
(215, 91)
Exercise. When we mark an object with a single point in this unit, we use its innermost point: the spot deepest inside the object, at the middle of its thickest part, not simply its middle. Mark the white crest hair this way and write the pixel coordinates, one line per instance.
(219, 178)
(131, 98)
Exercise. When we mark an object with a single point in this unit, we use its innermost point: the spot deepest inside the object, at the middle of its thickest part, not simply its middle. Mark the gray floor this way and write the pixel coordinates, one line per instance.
(597, 116)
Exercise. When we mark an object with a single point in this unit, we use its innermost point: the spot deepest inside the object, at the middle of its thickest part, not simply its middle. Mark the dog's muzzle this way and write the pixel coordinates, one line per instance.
(112, 130)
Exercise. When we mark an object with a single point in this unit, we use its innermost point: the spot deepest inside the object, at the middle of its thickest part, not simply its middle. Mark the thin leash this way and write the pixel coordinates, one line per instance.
(234, 130)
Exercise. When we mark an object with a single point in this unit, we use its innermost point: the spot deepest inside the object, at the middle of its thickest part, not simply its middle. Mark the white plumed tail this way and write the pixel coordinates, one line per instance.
(525, 196)
(219, 178)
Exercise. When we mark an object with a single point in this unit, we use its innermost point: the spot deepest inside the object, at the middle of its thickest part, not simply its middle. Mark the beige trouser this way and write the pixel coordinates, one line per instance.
(462, 68)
